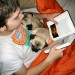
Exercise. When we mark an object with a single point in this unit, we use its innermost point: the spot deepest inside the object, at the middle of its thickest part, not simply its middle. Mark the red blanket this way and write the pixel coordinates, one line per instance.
(66, 64)
(48, 6)
(63, 66)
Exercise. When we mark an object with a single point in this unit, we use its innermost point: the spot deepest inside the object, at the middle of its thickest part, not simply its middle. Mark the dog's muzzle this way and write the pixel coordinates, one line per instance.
(35, 49)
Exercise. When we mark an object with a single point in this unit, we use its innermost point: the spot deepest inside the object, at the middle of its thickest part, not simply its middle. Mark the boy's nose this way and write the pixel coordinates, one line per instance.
(21, 16)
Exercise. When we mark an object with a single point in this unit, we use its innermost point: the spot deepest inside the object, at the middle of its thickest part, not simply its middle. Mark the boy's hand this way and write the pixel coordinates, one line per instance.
(54, 53)
(51, 17)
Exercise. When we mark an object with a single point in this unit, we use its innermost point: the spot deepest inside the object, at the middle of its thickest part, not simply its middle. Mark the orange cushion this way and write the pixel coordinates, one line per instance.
(48, 6)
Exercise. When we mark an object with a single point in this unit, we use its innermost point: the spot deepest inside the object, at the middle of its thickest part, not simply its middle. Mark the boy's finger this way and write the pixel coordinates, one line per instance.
(61, 55)
(61, 50)
(54, 21)
(54, 47)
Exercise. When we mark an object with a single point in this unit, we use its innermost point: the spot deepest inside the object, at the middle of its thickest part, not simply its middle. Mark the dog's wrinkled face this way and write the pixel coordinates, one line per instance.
(28, 20)
(31, 22)
(37, 43)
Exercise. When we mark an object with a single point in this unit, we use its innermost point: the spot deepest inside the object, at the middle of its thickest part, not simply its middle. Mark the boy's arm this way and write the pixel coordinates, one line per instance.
(53, 55)
(34, 70)
(48, 16)
(41, 16)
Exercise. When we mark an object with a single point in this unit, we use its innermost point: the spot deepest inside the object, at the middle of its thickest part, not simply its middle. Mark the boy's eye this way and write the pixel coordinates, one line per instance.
(16, 17)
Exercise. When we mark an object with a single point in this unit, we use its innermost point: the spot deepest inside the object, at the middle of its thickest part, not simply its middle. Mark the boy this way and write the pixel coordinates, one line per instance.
(15, 57)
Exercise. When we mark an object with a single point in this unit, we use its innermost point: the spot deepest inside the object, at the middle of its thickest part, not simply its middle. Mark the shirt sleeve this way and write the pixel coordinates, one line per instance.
(11, 59)
(11, 64)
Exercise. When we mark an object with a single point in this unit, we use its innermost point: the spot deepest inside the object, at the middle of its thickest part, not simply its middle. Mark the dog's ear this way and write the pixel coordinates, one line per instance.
(25, 15)
(32, 36)
(31, 14)
(29, 26)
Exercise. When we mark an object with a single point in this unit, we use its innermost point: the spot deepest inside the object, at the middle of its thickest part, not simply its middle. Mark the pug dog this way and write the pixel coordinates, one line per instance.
(39, 36)
(39, 39)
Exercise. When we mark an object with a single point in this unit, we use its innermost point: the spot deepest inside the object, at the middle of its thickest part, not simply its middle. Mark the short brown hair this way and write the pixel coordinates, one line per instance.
(7, 7)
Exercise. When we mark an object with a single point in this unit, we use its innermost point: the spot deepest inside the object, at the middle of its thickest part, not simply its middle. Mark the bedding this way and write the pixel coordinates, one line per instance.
(65, 65)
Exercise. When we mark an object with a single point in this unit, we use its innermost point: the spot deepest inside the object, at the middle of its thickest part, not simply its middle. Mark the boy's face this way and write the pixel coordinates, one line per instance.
(15, 20)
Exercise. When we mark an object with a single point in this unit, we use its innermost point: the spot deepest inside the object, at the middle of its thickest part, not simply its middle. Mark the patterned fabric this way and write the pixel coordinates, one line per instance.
(27, 3)
(21, 36)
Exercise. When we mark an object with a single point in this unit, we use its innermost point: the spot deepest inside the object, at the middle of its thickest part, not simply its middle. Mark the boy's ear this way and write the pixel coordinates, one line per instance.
(2, 28)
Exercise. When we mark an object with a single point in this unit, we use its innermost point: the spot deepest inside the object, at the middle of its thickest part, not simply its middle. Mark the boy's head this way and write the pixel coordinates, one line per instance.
(9, 12)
